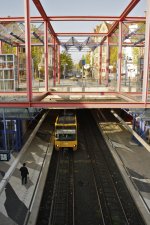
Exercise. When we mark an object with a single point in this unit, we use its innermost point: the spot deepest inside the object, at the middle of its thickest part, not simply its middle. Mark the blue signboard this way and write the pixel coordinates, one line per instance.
(83, 62)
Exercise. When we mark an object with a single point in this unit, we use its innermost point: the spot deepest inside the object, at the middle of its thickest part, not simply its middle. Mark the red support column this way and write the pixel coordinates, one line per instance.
(54, 61)
(1, 47)
(28, 50)
(146, 57)
(107, 62)
(46, 53)
(119, 58)
(100, 65)
(58, 64)
(18, 74)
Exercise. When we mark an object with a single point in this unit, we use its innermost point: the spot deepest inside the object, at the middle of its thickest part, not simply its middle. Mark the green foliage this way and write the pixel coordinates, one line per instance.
(77, 66)
(140, 31)
(87, 58)
(80, 64)
(136, 55)
(36, 53)
(113, 55)
(8, 49)
(65, 59)
(141, 27)
(140, 34)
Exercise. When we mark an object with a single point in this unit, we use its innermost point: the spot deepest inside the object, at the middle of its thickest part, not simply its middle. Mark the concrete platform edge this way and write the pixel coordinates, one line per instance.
(134, 193)
(12, 168)
(33, 211)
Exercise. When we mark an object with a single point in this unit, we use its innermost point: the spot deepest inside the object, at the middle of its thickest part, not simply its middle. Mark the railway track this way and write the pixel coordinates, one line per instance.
(116, 204)
(86, 187)
(62, 206)
(57, 207)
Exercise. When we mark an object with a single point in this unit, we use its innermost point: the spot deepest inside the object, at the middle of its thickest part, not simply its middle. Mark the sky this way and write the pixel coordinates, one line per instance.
(73, 8)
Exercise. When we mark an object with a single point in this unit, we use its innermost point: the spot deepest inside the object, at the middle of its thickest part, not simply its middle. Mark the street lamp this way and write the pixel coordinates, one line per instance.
(39, 70)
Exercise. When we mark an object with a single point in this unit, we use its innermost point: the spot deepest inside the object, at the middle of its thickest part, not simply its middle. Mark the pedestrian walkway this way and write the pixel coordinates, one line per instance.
(16, 199)
(133, 161)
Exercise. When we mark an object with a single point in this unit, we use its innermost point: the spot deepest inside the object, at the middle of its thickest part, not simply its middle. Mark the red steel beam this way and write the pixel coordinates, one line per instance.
(43, 94)
(40, 19)
(58, 64)
(83, 18)
(128, 9)
(35, 44)
(96, 18)
(82, 93)
(44, 16)
(80, 34)
(73, 104)
(21, 19)
(100, 65)
(41, 11)
(54, 62)
(135, 19)
(28, 50)
(1, 47)
(46, 54)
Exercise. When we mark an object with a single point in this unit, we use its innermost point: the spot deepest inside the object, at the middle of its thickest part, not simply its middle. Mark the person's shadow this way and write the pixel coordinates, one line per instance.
(15, 208)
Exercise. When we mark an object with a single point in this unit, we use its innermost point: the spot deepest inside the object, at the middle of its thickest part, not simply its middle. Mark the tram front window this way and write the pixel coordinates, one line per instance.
(63, 137)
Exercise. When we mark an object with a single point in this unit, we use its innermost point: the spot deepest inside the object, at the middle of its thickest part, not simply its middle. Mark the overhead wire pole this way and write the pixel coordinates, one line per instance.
(146, 56)
(28, 50)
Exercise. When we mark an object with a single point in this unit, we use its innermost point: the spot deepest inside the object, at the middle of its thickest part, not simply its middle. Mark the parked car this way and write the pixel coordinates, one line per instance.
(78, 75)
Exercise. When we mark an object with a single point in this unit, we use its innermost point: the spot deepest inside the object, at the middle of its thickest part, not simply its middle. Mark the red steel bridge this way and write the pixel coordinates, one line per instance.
(50, 96)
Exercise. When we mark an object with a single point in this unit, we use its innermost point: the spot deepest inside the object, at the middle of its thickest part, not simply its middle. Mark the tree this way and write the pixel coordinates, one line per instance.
(138, 38)
(65, 59)
(136, 55)
(113, 55)
(87, 58)
(8, 49)
(37, 53)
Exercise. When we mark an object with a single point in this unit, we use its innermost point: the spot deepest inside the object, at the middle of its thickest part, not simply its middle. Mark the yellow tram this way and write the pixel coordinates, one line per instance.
(66, 132)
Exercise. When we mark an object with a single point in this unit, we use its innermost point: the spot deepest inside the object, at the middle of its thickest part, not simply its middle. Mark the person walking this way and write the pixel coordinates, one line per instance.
(24, 172)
